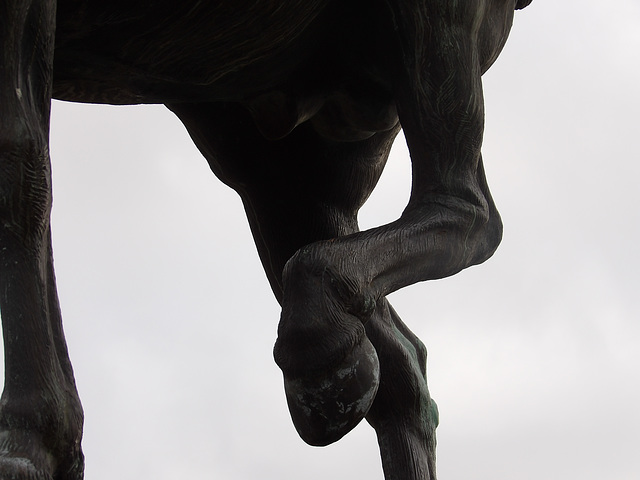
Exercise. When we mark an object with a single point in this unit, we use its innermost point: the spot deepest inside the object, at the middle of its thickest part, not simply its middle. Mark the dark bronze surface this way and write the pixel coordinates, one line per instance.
(295, 104)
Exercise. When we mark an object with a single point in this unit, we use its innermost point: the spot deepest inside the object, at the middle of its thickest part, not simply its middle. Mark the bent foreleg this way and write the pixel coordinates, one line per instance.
(449, 224)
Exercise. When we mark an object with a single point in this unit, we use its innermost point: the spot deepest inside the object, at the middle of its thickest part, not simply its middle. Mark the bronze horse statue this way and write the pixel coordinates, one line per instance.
(295, 105)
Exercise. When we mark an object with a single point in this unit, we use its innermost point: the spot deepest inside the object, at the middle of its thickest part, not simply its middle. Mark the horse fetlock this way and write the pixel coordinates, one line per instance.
(24, 455)
(323, 314)
(41, 438)
(326, 271)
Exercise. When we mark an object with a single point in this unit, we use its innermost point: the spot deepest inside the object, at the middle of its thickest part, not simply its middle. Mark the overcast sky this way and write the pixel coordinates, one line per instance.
(533, 357)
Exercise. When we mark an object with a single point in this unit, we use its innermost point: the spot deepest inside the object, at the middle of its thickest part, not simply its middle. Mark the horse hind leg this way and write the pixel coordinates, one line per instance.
(40, 413)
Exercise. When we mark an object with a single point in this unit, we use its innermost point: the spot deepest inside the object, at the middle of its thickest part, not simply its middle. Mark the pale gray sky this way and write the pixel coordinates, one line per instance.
(533, 356)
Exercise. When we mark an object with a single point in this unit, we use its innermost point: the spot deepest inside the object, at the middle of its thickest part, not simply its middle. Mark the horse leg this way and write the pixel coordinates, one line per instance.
(40, 413)
(449, 224)
(298, 191)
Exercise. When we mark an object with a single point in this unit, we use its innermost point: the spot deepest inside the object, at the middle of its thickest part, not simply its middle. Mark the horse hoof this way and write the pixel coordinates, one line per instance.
(326, 405)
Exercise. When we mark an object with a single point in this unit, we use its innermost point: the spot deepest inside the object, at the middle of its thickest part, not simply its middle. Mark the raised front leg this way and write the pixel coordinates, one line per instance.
(40, 414)
(450, 223)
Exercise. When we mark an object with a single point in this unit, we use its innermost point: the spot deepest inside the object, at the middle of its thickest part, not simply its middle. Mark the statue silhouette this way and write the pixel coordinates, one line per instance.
(295, 105)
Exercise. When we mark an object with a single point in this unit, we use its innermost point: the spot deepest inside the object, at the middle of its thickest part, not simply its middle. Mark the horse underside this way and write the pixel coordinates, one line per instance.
(285, 65)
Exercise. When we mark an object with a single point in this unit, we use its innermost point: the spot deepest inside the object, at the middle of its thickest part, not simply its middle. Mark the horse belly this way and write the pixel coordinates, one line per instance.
(133, 53)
